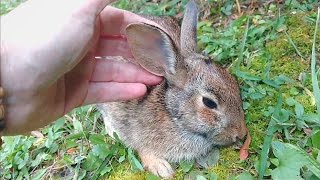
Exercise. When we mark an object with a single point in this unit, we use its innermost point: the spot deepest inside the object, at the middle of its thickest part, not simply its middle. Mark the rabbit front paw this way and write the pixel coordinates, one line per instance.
(157, 166)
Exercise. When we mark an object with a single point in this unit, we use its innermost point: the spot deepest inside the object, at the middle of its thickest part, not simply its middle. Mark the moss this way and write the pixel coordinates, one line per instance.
(124, 172)
(228, 163)
(301, 32)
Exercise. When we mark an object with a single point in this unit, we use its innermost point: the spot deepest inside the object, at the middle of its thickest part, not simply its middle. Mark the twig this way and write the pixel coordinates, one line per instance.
(68, 118)
(239, 8)
(94, 124)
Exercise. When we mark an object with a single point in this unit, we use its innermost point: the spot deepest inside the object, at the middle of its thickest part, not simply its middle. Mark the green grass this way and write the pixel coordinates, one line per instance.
(273, 52)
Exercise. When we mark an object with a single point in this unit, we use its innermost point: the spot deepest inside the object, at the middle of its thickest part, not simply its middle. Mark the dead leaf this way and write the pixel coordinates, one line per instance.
(37, 134)
(244, 150)
(72, 150)
(307, 131)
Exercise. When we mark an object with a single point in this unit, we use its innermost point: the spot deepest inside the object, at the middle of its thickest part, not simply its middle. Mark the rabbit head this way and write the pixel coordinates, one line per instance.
(201, 97)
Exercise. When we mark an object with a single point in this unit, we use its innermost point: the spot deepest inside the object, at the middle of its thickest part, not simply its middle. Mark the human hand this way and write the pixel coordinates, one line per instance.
(48, 64)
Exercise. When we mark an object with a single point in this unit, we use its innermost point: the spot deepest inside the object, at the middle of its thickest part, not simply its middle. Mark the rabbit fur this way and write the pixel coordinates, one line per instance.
(196, 107)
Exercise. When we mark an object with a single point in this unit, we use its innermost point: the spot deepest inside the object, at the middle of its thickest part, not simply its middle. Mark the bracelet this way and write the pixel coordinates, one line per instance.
(2, 123)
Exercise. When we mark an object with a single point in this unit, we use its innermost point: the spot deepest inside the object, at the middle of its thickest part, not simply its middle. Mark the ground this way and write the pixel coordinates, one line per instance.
(268, 48)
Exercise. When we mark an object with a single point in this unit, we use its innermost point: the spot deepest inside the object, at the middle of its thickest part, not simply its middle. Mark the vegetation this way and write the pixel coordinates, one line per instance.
(273, 50)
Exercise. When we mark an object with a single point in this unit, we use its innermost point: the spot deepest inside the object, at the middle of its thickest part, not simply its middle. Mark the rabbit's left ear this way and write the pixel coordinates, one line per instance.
(189, 29)
(152, 48)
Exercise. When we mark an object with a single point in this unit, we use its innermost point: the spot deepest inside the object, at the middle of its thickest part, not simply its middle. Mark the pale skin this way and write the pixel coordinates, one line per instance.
(48, 64)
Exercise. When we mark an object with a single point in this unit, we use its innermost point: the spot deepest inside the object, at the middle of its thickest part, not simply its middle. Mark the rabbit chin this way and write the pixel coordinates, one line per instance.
(223, 141)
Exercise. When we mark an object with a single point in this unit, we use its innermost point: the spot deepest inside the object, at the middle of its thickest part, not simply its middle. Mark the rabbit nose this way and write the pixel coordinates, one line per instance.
(237, 136)
(243, 130)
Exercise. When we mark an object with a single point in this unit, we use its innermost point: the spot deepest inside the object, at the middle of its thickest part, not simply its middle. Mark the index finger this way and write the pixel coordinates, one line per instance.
(114, 21)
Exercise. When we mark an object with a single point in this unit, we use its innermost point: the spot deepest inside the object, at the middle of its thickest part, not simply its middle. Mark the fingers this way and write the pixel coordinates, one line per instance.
(113, 91)
(94, 7)
(113, 47)
(123, 72)
(116, 20)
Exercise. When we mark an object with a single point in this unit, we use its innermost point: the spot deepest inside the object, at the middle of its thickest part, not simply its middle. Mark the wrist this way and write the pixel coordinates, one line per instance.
(2, 109)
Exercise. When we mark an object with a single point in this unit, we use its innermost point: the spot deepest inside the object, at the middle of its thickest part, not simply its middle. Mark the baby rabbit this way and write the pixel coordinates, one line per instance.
(196, 107)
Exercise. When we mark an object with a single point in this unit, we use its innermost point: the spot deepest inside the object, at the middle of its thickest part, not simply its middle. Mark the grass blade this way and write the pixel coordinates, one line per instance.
(314, 77)
(243, 44)
(293, 45)
(268, 139)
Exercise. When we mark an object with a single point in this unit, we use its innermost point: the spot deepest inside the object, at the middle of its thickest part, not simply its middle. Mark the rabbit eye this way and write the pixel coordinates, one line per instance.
(209, 103)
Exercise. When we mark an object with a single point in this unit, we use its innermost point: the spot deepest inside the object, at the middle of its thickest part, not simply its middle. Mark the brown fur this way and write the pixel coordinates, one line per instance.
(171, 122)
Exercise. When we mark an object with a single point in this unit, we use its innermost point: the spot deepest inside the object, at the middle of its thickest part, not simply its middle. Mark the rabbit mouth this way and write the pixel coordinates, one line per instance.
(228, 142)
(235, 145)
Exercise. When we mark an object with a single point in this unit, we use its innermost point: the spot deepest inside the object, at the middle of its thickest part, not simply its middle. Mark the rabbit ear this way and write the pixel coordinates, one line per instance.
(189, 29)
(152, 48)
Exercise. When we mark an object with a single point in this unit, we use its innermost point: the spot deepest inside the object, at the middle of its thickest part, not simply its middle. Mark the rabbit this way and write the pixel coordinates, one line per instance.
(197, 106)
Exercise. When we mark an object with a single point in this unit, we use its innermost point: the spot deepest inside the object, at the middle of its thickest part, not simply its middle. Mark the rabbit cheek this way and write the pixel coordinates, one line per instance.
(208, 116)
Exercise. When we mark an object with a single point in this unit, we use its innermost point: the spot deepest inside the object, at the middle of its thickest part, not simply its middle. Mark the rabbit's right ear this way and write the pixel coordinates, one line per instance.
(152, 48)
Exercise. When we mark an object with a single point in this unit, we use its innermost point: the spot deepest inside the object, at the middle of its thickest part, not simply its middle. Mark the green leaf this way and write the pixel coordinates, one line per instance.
(316, 140)
(244, 176)
(290, 101)
(58, 124)
(39, 174)
(92, 162)
(193, 174)
(23, 162)
(281, 79)
(39, 158)
(271, 83)
(70, 144)
(294, 91)
(314, 77)
(134, 161)
(274, 161)
(246, 105)
(54, 147)
(210, 159)
(242, 47)
(77, 125)
(97, 139)
(293, 45)
(67, 160)
(122, 158)
(186, 165)
(199, 177)
(151, 177)
(247, 76)
(313, 118)
(291, 160)
(101, 150)
(137, 163)
(212, 176)
(50, 139)
(105, 170)
(84, 134)
(299, 110)
(78, 159)
(256, 95)
(268, 139)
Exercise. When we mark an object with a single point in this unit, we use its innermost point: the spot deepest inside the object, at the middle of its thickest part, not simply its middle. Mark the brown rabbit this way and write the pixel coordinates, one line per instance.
(196, 108)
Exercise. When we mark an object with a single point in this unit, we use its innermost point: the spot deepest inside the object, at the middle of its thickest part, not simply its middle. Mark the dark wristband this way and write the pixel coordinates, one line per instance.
(2, 113)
